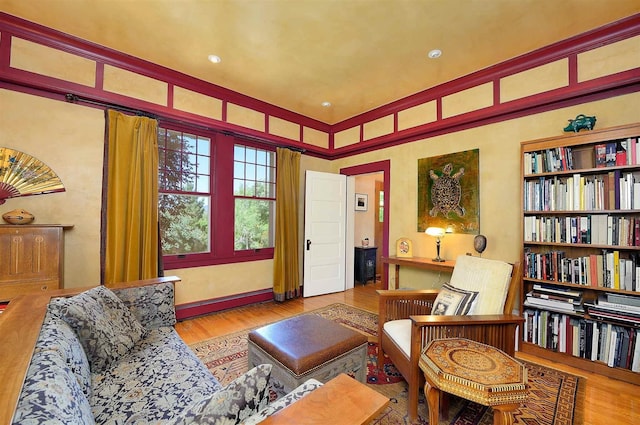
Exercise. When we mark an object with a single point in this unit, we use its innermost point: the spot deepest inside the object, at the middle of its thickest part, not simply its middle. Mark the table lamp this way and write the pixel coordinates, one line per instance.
(438, 233)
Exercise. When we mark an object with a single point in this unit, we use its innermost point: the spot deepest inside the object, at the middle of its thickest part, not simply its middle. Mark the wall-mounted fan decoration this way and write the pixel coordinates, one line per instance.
(22, 174)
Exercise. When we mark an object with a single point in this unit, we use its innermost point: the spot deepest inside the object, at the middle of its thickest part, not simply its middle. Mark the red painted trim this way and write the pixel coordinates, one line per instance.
(385, 168)
(575, 92)
(11, 25)
(607, 34)
(188, 311)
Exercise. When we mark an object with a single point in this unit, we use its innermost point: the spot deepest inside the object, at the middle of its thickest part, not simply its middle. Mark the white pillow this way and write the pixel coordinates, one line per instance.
(453, 301)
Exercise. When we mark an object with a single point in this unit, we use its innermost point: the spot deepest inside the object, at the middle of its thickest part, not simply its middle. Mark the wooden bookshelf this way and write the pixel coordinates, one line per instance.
(580, 226)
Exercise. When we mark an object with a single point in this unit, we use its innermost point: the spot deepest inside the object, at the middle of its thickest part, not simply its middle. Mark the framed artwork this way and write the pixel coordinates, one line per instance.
(448, 192)
(404, 247)
(362, 202)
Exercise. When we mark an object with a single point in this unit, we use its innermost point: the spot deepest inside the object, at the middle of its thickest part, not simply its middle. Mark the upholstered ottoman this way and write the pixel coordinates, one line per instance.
(308, 346)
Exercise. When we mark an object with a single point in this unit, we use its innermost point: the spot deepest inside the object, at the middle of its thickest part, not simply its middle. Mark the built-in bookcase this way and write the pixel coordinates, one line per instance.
(581, 250)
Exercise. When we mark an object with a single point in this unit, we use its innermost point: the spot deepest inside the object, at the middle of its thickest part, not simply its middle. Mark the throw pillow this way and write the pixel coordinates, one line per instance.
(240, 399)
(452, 301)
(105, 327)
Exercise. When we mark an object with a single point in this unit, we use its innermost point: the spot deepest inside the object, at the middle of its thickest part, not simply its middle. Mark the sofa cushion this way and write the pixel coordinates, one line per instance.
(152, 305)
(57, 335)
(51, 393)
(490, 278)
(106, 328)
(240, 399)
(290, 398)
(453, 301)
(158, 378)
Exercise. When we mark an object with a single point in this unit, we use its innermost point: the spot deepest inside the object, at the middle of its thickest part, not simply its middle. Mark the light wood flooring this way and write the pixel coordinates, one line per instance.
(608, 401)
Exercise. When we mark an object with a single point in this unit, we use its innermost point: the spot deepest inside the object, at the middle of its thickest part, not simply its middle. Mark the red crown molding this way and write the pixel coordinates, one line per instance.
(574, 93)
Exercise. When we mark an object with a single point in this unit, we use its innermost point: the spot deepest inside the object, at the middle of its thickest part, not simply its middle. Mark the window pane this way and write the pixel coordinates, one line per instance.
(202, 184)
(238, 187)
(184, 224)
(254, 224)
(204, 145)
(238, 170)
(251, 155)
(238, 153)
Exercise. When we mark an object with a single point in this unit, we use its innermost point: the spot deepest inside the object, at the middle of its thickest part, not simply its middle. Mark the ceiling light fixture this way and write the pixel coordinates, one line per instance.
(326, 104)
(435, 53)
(214, 59)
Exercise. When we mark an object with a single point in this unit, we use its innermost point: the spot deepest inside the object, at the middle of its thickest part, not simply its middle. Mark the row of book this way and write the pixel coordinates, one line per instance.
(609, 154)
(562, 300)
(613, 190)
(592, 229)
(606, 270)
(615, 153)
(549, 160)
(614, 345)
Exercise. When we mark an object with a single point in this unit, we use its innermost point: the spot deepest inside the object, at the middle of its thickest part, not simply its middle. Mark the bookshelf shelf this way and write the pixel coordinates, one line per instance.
(581, 250)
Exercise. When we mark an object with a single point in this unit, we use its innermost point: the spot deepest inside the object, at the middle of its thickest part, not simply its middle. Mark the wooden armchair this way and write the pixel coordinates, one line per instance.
(405, 323)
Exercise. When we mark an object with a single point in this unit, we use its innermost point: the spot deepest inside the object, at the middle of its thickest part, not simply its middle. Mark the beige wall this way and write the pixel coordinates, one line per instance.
(499, 146)
(69, 138)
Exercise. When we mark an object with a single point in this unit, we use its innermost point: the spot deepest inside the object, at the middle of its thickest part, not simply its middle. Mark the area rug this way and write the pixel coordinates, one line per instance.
(555, 398)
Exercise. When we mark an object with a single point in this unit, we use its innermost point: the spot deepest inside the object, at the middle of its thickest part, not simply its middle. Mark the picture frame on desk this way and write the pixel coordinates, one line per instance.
(404, 248)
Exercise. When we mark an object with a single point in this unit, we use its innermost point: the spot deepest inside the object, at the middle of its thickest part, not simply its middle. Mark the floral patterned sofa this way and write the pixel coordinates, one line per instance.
(113, 357)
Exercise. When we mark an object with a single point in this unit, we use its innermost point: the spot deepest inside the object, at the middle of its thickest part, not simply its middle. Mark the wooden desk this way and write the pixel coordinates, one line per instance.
(341, 401)
(418, 262)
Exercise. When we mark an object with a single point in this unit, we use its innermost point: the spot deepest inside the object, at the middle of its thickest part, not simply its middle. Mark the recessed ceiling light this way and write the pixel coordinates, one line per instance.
(326, 104)
(214, 58)
(435, 53)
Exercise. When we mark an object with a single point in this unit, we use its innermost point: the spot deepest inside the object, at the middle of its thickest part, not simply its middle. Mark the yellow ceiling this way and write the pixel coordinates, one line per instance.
(356, 54)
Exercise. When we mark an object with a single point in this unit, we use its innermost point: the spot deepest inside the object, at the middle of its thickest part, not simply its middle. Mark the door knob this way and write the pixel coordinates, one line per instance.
(308, 244)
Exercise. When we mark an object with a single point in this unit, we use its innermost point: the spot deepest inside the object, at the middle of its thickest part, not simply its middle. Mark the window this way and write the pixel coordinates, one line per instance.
(185, 195)
(254, 189)
(216, 200)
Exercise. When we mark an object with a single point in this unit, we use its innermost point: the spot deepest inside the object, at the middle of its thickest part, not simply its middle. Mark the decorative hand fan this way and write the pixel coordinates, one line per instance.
(22, 175)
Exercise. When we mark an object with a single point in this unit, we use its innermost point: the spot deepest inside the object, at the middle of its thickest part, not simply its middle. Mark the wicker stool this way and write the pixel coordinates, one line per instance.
(308, 346)
(476, 372)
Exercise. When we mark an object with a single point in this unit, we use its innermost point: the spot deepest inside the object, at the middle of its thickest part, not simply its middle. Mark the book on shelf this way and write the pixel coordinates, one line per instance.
(601, 155)
(612, 344)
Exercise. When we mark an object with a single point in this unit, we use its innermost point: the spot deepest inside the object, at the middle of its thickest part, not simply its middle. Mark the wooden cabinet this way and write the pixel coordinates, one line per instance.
(365, 263)
(580, 293)
(31, 259)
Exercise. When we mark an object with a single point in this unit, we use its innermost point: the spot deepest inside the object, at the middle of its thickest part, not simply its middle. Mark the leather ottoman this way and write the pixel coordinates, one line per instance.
(308, 346)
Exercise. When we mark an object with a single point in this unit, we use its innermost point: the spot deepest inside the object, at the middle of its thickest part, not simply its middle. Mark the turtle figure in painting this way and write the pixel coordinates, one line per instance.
(446, 192)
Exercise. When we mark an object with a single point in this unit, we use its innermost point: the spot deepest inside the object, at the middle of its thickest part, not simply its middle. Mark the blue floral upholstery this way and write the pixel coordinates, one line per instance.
(153, 306)
(151, 384)
(52, 394)
(243, 397)
(156, 380)
(106, 328)
(295, 395)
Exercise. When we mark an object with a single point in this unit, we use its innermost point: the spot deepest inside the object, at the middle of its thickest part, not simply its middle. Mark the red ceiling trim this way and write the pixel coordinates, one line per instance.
(575, 93)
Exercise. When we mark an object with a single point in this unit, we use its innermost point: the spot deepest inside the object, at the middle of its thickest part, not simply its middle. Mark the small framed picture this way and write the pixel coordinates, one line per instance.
(362, 202)
(404, 247)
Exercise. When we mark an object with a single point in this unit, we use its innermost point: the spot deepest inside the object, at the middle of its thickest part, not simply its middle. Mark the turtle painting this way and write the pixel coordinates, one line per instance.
(446, 192)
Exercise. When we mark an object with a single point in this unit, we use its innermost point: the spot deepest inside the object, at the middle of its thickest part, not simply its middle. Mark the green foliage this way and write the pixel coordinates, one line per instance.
(252, 219)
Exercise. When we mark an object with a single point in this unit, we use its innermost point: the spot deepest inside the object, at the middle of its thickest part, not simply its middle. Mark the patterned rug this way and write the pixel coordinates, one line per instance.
(555, 397)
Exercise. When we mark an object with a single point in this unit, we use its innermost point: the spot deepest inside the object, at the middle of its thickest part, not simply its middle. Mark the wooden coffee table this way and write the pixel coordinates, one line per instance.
(476, 372)
(341, 401)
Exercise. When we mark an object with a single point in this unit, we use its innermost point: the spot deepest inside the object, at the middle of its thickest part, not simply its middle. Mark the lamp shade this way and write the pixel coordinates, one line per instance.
(436, 232)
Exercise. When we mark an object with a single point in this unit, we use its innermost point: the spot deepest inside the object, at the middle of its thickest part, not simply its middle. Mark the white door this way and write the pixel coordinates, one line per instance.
(324, 233)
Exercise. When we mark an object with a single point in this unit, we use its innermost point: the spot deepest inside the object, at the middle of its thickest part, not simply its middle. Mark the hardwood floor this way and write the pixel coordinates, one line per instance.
(608, 401)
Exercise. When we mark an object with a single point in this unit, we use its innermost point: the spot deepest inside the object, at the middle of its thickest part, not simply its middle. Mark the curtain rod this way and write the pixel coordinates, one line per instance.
(73, 98)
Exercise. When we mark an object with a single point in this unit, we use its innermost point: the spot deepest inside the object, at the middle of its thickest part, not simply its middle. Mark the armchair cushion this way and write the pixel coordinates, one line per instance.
(453, 301)
(400, 332)
(490, 278)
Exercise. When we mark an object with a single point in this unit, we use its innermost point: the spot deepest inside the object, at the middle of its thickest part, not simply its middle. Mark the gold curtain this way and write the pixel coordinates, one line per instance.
(130, 199)
(286, 258)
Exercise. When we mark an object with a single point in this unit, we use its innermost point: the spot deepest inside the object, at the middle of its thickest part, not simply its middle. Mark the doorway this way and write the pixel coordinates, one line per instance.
(378, 202)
